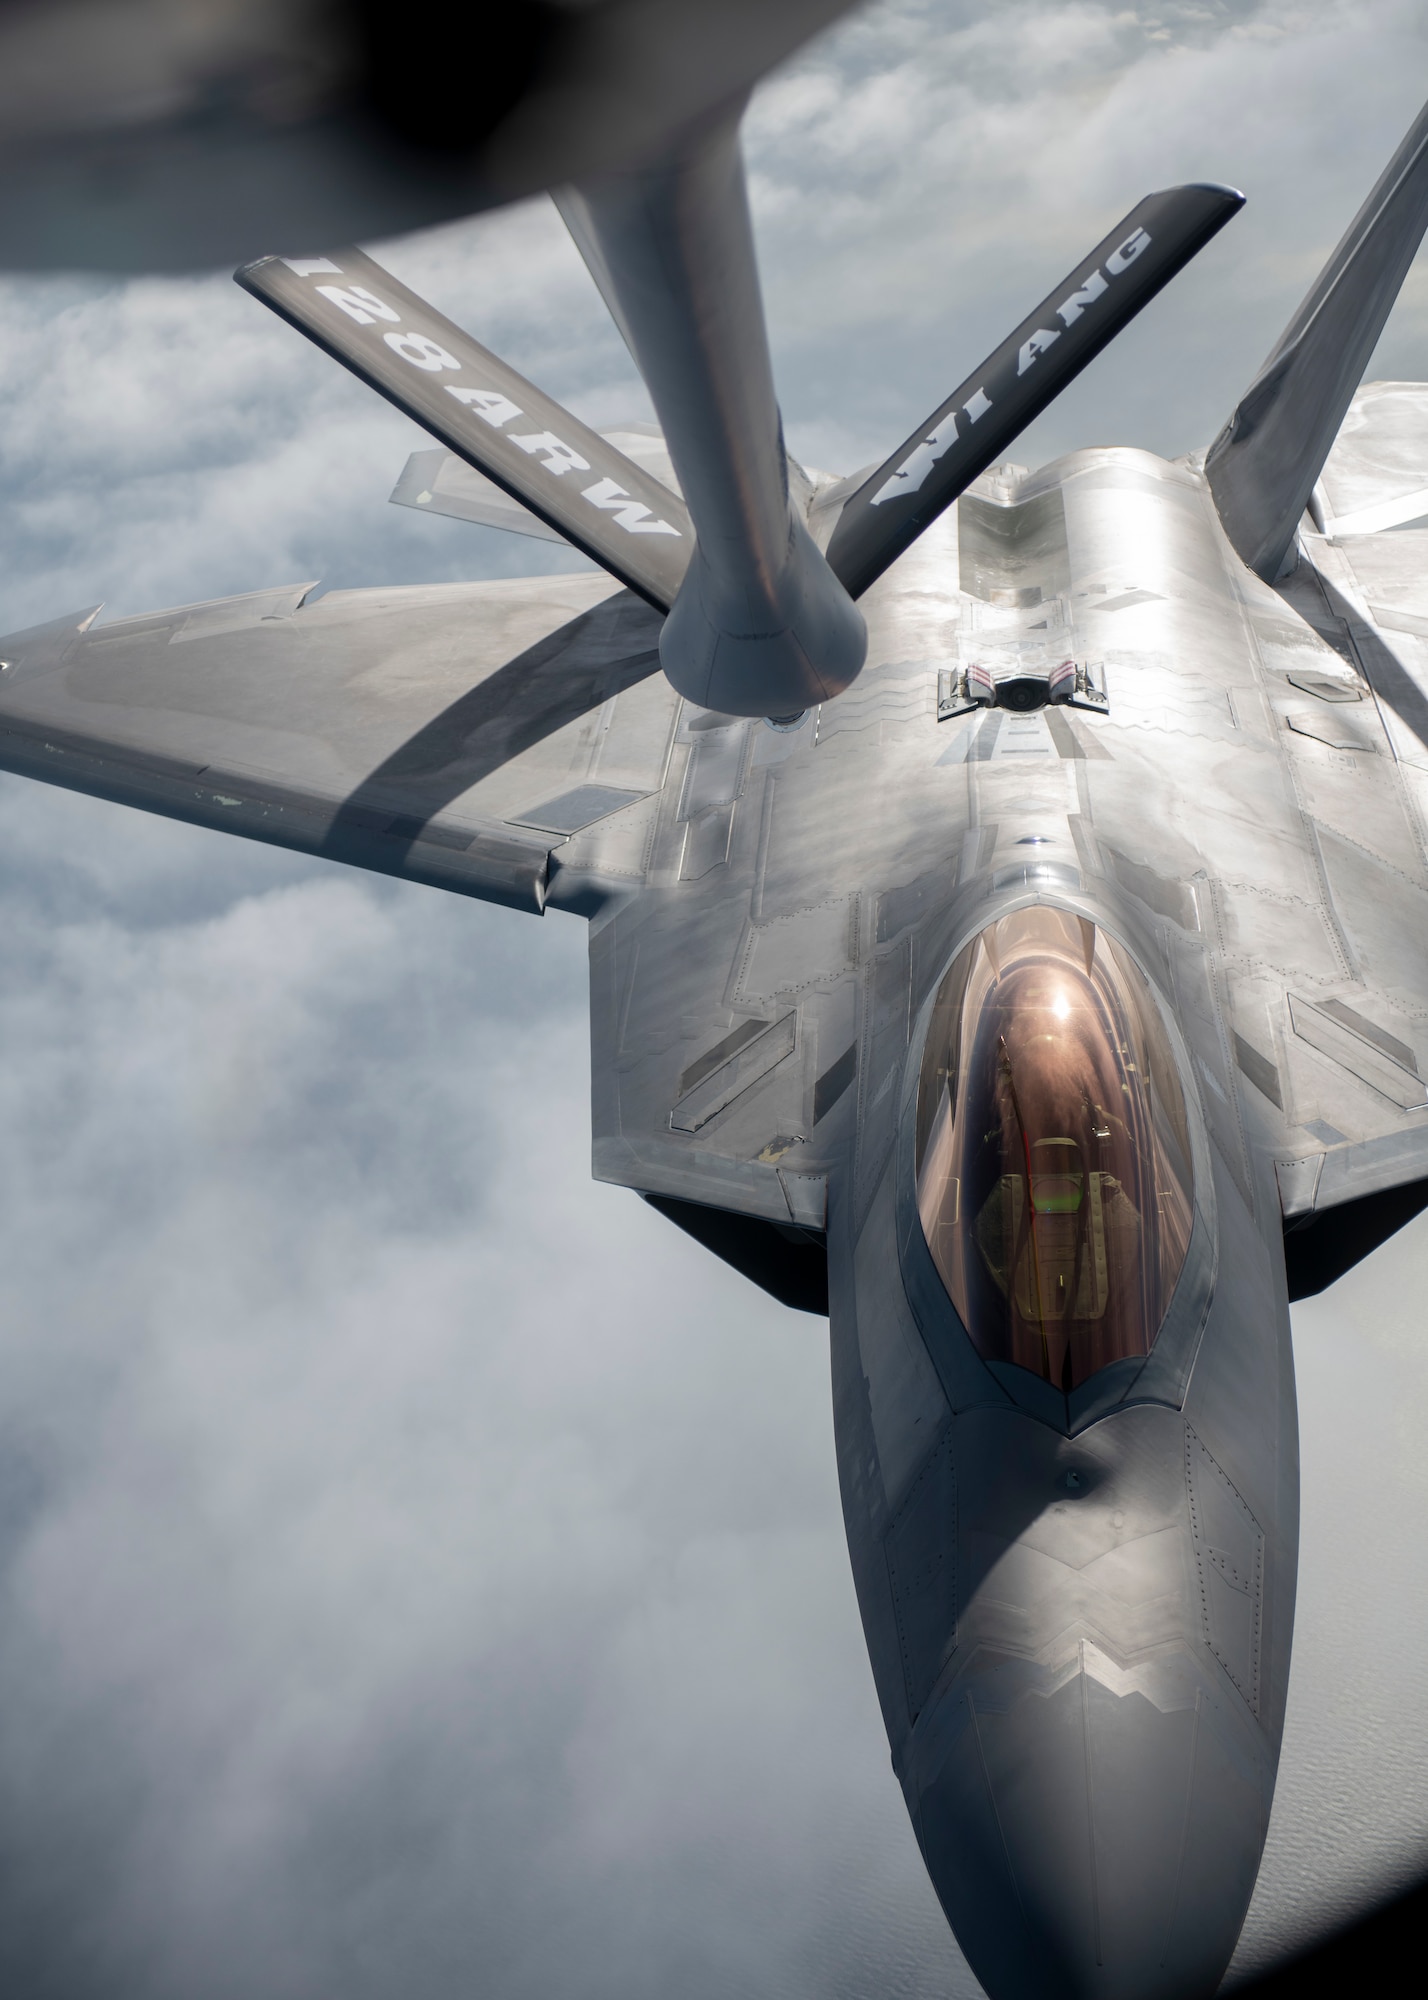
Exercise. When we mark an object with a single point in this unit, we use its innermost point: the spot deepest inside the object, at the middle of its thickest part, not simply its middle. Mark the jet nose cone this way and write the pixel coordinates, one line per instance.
(1098, 1838)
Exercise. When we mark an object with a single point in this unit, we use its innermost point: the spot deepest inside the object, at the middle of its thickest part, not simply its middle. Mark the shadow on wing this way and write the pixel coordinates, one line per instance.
(562, 677)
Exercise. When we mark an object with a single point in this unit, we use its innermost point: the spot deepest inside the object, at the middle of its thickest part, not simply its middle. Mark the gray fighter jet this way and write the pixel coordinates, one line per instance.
(1008, 934)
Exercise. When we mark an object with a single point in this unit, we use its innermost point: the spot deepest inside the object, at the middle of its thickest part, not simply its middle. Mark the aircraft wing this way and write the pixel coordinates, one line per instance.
(1263, 466)
(1376, 475)
(512, 741)
(458, 735)
(1344, 1065)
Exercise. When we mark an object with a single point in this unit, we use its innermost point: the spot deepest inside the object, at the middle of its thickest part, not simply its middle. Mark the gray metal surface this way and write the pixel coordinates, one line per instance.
(569, 476)
(975, 425)
(409, 731)
(1372, 476)
(1263, 465)
(761, 625)
(438, 482)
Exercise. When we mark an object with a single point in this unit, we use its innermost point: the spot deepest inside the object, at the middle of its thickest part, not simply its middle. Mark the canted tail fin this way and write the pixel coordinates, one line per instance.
(1263, 465)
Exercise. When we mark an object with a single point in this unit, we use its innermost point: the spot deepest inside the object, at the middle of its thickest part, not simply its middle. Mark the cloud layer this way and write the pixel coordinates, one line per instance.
(420, 1568)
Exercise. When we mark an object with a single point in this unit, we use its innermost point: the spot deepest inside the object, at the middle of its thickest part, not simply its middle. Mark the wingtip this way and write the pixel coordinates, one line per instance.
(40, 647)
(53, 628)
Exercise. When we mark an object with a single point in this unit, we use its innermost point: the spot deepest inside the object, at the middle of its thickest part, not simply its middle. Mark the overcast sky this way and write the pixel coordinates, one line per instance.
(422, 1567)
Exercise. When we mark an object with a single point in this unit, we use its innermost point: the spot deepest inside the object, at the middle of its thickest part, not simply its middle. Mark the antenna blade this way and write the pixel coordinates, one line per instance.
(974, 427)
(469, 400)
(1263, 465)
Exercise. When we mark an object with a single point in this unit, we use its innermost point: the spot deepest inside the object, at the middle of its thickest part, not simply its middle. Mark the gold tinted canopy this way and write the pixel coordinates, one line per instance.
(1053, 1160)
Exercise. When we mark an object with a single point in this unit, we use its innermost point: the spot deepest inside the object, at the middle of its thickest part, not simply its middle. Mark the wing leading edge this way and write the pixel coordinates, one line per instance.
(457, 736)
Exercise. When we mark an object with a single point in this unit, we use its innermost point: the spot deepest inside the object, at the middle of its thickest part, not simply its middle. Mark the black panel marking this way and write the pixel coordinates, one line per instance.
(1260, 1071)
(705, 1065)
(921, 1552)
(1369, 1031)
(834, 1081)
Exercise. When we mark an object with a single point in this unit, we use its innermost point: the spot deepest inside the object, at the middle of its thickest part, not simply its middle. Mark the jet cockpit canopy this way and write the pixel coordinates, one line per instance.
(1054, 1183)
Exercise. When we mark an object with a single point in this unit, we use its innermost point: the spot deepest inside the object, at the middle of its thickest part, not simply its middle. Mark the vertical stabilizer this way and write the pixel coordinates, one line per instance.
(1263, 465)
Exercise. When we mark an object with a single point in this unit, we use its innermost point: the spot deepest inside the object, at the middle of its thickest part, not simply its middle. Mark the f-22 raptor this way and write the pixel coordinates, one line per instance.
(1007, 894)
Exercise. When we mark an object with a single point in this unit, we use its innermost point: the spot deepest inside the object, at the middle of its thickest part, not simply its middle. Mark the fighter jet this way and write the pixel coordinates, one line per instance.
(1007, 895)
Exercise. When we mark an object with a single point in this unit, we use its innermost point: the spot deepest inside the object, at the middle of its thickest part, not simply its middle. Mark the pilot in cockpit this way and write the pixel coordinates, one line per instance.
(1053, 1162)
